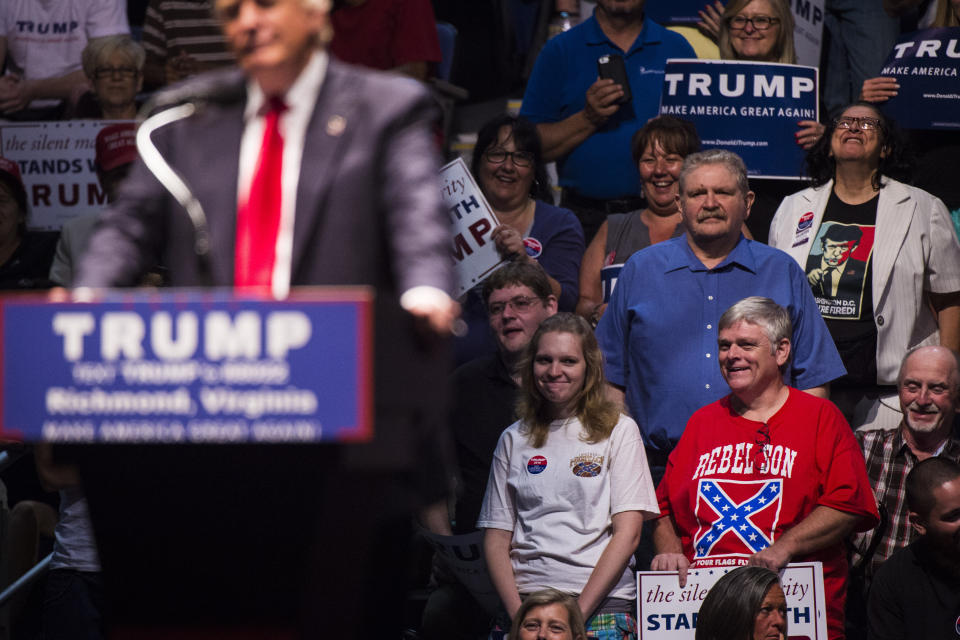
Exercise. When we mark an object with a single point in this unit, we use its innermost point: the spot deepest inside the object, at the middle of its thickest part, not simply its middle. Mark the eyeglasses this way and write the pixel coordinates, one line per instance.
(519, 304)
(865, 123)
(762, 441)
(520, 158)
(125, 73)
(760, 23)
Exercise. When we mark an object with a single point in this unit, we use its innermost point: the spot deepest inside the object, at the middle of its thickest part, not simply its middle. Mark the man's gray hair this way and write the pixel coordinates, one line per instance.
(729, 159)
(954, 375)
(763, 312)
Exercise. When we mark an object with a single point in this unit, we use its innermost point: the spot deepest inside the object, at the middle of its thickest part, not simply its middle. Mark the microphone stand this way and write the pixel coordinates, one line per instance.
(173, 183)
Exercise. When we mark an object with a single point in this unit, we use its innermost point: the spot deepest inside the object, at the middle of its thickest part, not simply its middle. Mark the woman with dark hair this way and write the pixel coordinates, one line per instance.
(569, 486)
(746, 604)
(509, 168)
(25, 256)
(659, 148)
(548, 614)
(508, 165)
(881, 257)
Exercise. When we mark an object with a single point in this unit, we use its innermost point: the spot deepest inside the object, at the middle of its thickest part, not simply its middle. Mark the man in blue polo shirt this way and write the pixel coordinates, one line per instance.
(580, 119)
(659, 333)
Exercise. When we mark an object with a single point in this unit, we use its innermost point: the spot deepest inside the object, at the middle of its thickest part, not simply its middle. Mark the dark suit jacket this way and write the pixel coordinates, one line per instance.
(368, 212)
(242, 534)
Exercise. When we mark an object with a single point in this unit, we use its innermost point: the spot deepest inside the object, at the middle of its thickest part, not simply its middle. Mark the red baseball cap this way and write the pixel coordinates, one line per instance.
(116, 145)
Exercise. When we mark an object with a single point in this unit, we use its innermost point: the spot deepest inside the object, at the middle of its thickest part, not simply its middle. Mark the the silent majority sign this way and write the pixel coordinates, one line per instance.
(668, 612)
(185, 366)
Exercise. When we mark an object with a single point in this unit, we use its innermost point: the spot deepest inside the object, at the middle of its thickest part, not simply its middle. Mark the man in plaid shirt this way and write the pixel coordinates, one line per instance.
(929, 387)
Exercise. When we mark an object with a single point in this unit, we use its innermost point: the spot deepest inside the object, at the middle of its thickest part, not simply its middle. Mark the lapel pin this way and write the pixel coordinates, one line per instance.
(336, 125)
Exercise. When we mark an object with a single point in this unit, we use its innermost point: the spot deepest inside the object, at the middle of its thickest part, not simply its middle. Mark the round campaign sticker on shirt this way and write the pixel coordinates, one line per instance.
(956, 626)
(533, 246)
(536, 464)
(806, 220)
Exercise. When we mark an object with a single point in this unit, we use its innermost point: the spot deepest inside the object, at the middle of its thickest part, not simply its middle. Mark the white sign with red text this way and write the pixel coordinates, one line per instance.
(474, 254)
(56, 161)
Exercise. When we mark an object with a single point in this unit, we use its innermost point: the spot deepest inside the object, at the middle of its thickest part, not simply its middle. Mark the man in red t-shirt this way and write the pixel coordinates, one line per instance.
(767, 475)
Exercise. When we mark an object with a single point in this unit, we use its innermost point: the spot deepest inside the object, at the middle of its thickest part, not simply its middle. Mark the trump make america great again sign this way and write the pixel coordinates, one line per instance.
(750, 108)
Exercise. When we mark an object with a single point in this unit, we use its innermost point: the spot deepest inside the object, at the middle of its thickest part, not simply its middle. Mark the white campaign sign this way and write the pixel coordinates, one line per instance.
(462, 556)
(56, 163)
(474, 254)
(808, 30)
(667, 612)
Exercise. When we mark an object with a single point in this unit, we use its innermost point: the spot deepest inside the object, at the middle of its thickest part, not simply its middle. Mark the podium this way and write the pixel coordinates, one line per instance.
(244, 479)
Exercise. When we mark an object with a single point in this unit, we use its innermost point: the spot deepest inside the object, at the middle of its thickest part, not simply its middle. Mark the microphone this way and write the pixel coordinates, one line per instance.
(217, 88)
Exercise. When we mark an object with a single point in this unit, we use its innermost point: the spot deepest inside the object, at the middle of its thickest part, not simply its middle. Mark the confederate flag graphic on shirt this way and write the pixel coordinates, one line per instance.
(737, 517)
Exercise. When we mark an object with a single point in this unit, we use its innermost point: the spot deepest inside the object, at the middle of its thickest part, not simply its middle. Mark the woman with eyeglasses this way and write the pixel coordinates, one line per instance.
(114, 66)
(569, 486)
(881, 257)
(762, 31)
(508, 165)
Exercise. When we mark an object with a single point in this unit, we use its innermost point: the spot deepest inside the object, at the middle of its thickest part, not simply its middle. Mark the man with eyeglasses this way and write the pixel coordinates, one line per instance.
(41, 44)
(585, 122)
(767, 475)
(518, 298)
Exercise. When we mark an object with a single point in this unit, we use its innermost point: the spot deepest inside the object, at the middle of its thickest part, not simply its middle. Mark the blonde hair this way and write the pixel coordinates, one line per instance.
(946, 16)
(99, 49)
(545, 598)
(597, 414)
(783, 48)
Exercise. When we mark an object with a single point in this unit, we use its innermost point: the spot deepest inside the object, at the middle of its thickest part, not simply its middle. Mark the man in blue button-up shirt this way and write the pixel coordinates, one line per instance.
(659, 333)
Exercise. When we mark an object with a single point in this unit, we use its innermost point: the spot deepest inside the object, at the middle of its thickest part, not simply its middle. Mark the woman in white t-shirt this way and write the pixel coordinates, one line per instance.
(569, 486)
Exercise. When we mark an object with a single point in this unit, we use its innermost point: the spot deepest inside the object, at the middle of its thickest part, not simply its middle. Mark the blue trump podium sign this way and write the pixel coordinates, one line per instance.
(750, 108)
(926, 65)
(188, 366)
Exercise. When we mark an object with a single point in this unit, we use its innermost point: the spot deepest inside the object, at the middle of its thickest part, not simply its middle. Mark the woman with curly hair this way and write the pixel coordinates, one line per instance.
(569, 485)
(881, 257)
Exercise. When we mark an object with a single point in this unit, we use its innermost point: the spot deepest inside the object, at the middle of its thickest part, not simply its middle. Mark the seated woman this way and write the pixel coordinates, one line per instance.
(509, 168)
(881, 257)
(114, 66)
(569, 486)
(746, 604)
(548, 614)
(25, 256)
(658, 149)
(762, 31)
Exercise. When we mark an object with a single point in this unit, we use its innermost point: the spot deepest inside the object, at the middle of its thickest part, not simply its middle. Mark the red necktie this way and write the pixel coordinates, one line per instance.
(258, 220)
